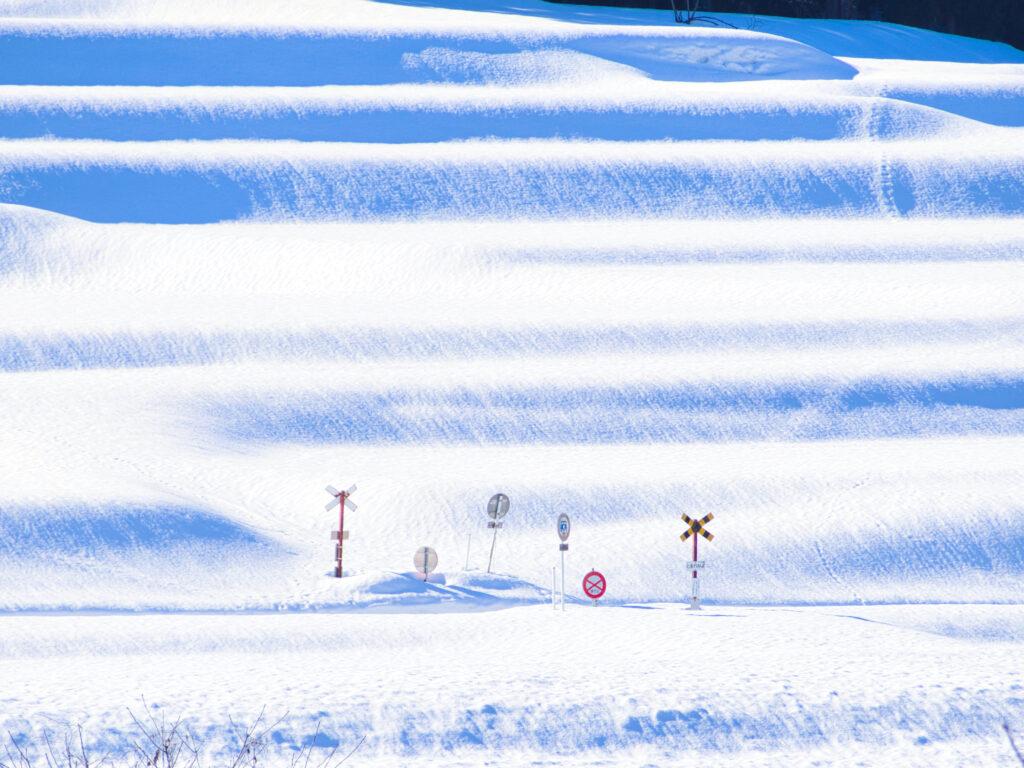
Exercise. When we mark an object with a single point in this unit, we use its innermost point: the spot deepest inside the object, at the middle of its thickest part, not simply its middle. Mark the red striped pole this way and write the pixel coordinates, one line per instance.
(695, 555)
(341, 533)
(695, 597)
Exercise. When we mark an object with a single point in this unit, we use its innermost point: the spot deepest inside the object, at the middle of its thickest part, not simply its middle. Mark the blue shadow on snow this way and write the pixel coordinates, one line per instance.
(639, 414)
(29, 531)
(350, 189)
(128, 350)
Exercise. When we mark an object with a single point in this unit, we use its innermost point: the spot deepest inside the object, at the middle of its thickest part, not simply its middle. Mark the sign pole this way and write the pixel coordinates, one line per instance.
(497, 508)
(695, 601)
(562, 553)
(696, 528)
(564, 526)
(341, 498)
(339, 571)
(490, 558)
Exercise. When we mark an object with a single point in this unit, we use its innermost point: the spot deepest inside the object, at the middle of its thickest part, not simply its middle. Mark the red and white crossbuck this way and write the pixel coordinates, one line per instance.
(341, 500)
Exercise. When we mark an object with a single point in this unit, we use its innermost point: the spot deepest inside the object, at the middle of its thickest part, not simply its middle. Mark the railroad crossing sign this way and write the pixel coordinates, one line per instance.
(342, 501)
(497, 508)
(697, 526)
(695, 565)
(425, 561)
(594, 585)
(338, 495)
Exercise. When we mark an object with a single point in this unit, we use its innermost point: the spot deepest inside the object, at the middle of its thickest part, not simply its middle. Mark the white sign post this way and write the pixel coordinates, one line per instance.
(425, 561)
(342, 501)
(564, 526)
(497, 508)
(696, 528)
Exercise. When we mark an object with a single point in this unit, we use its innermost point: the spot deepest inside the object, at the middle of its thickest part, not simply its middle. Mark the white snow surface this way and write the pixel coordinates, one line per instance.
(607, 265)
(633, 686)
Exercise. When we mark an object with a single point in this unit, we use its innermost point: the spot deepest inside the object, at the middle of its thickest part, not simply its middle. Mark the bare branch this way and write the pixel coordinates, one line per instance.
(159, 743)
(1013, 744)
(357, 746)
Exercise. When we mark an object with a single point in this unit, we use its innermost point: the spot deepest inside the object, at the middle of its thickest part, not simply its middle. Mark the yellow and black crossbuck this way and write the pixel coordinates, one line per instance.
(697, 526)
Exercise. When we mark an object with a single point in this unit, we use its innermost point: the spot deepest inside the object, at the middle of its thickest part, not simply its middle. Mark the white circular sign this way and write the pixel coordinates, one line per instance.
(564, 527)
(425, 560)
(497, 507)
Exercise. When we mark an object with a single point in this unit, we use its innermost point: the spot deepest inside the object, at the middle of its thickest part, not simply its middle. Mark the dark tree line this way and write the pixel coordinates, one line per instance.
(988, 19)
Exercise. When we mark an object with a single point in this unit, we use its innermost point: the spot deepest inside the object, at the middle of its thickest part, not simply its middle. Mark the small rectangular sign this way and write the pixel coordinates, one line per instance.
(344, 536)
(494, 524)
(563, 547)
(694, 565)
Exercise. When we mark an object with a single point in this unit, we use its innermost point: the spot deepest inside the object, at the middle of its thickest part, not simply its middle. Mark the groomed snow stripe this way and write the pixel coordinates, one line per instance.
(181, 182)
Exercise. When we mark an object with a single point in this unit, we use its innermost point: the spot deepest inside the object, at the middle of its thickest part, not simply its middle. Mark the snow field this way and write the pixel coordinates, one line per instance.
(618, 269)
(541, 295)
(547, 687)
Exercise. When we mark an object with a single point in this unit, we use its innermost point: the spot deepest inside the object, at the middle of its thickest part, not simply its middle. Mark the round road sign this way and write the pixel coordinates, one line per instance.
(425, 560)
(497, 507)
(594, 585)
(563, 527)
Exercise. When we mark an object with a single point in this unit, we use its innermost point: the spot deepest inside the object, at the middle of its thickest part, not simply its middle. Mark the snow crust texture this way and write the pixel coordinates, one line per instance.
(606, 265)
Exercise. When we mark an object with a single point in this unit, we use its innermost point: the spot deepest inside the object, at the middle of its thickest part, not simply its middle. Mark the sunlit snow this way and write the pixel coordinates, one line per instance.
(605, 264)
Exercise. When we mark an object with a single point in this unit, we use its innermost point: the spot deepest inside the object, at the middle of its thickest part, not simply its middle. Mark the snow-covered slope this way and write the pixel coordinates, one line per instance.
(607, 265)
(619, 270)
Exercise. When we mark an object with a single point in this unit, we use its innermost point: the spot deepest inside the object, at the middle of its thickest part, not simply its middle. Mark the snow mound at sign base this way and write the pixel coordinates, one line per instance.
(389, 591)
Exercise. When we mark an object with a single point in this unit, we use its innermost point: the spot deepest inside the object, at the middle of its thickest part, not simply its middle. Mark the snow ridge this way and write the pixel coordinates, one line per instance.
(620, 269)
(567, 235)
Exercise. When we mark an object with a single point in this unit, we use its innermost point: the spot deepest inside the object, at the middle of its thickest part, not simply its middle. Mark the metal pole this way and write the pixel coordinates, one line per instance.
(493, 539)
(469, 540)
(563, 579)
(696, 597)
(341, 534)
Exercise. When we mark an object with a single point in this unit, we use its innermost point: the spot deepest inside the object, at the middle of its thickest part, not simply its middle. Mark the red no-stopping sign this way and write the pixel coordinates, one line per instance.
(594, 585)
